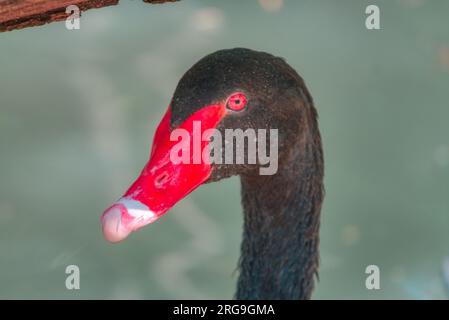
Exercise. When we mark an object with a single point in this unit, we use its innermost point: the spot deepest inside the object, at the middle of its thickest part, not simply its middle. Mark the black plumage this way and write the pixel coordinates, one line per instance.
(279, 252)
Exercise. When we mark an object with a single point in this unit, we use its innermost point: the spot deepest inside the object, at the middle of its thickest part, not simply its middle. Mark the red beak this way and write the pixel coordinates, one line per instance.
(163, 182)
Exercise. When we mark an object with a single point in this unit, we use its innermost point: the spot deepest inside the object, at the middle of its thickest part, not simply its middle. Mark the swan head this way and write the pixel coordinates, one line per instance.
(225, 109)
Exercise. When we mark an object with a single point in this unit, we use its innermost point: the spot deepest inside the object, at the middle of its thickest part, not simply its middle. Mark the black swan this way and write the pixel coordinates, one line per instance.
(242, 88)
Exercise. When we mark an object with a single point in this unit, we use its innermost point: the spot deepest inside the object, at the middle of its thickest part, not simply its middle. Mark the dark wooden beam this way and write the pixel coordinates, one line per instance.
(18, 14)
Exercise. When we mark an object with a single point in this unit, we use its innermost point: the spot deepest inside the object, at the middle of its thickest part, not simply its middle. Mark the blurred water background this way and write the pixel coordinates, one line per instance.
(78, 110)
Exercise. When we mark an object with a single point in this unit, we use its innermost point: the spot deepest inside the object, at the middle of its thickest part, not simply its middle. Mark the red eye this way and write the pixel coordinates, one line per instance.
(236, 101)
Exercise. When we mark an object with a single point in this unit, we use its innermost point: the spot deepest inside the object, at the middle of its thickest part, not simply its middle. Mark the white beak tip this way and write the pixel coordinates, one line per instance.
(113, 228)
(124, 217)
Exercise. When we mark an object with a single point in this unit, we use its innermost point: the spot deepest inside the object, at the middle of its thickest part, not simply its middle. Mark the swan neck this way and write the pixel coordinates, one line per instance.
(279, 251)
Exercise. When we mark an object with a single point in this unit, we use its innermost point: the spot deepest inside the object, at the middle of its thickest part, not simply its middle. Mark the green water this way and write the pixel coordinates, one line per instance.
(78, 109)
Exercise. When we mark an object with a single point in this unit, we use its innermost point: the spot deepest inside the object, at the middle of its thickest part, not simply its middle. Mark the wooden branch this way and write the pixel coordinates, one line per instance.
(18, 14)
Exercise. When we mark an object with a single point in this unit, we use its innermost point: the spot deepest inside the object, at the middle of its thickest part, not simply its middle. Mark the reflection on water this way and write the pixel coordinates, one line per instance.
(78, 109)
